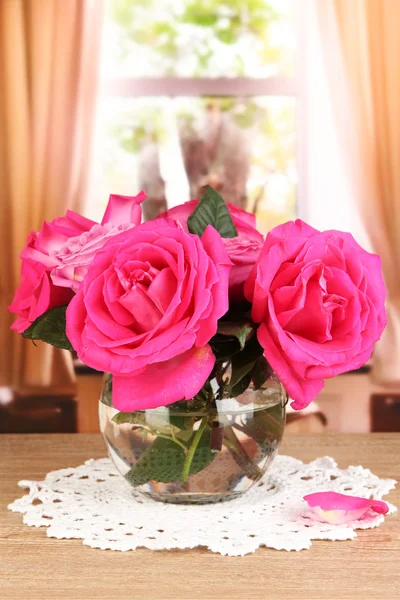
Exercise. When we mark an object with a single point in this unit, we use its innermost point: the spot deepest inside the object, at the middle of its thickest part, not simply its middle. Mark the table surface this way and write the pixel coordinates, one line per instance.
(38, 567)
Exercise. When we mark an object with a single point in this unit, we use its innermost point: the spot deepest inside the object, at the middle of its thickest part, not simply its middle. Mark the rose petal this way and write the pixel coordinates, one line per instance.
(124, 209)
(301, 390)
(336, 508)
(73, 223)
(159, 384)
(162, 289)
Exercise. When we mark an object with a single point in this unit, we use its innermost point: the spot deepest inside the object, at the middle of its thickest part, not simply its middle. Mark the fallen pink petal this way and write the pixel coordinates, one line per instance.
(332, 507)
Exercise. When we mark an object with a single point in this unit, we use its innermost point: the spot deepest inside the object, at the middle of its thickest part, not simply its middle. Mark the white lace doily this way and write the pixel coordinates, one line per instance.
(93, 502)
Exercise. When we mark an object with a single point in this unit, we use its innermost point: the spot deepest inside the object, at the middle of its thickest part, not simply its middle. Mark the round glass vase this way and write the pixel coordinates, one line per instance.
(198, 451)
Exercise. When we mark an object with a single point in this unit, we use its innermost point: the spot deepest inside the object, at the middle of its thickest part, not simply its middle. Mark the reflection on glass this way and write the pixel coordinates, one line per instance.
(173, 148)
(196, 451)
(191, 38)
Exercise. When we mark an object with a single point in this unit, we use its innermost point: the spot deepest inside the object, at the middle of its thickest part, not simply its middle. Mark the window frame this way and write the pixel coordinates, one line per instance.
(173, 87)
(285, 86)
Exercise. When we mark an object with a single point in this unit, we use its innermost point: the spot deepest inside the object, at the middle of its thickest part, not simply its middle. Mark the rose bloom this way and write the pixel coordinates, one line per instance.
(58, 256)
(36, 295)
(74, 256)
(146, 310)
(320, 300)
(243, 250)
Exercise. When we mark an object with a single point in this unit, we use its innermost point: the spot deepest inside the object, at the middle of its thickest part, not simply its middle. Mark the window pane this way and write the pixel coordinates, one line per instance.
(193, 38)
(172, 148)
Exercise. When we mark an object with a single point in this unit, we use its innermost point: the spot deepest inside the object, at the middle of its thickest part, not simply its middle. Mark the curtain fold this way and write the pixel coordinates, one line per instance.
(49, 56)
(360, 45)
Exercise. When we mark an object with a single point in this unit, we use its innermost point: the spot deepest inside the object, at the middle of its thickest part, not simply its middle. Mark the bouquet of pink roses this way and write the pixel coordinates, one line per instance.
(160, 304)
(195, 309)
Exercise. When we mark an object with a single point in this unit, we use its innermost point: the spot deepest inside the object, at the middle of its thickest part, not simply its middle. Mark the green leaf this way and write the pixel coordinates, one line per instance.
(163, 461)
(134, 418)
(241, 331)
(151, 421)
(258, 373)
(177, 420)
(243, 362)
(261, 372)
(50, 328)
(184, 435)
(224, 347)
(198, 404)
(212, 210)
(241, 385)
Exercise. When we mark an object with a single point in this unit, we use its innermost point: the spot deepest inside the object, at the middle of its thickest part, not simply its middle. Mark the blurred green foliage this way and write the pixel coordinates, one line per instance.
(193, 31)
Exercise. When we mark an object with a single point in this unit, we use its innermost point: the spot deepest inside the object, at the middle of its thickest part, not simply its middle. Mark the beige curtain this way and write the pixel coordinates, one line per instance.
(361, 47)
(49, 51)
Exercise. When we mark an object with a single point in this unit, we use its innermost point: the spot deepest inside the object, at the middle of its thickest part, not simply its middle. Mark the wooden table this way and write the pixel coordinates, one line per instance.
(33, 566)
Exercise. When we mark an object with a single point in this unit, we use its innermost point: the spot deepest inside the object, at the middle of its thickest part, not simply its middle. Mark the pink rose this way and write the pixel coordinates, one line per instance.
(62, 251)
(320, 300)
(146, 310)
(68, 244)
(74, 257)
(42, 247)
(36, 295)
(243, 250)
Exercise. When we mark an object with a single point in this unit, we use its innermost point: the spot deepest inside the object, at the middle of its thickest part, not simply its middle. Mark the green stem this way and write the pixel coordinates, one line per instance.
(171, 438)
(192, 450)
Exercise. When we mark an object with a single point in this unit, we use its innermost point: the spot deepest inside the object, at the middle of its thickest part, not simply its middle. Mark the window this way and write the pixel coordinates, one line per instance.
(198, 92)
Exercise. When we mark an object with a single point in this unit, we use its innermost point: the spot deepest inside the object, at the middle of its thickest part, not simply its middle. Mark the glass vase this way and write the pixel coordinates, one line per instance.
(198, 451)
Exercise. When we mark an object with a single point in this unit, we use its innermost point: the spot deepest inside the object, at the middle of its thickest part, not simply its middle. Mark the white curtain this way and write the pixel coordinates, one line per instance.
(350, 126)
(326, 154)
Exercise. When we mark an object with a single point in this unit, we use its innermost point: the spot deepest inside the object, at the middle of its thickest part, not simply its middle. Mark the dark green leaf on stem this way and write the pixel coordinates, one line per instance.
(212, 210)
(134, 418)
(261, 372)
(241, 331)
(243, 362)
(241, 386)
(224, 347)
(50, 328)
(153, 422)
(163, 461)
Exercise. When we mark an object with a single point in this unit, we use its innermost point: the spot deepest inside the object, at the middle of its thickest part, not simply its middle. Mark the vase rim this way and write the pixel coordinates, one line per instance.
(228, 406)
